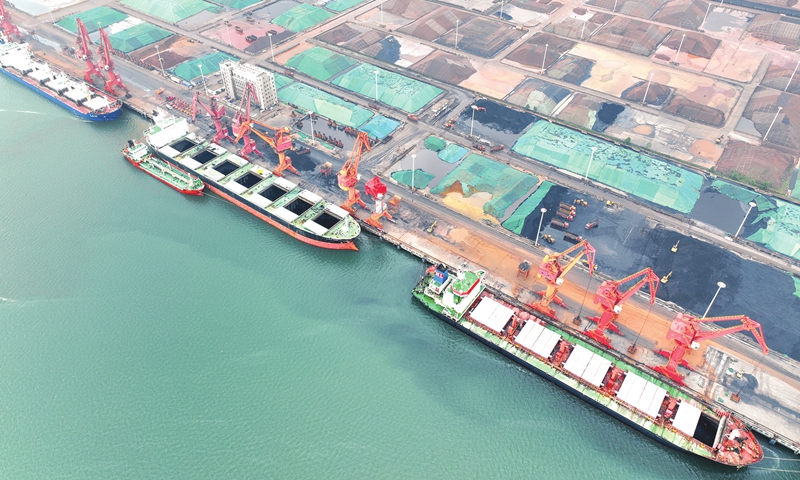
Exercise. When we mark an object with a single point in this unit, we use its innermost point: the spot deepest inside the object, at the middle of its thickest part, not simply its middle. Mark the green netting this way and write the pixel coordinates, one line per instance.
(302, 17)
(782, 233)
(515, 222)
(104, 16)
(796, 191)
(190, 69)
(342, 5)
(744, 195)
(138, 36)
(401, 92)
(421, 178)
(435, 143)
(480, 174)
(172, 11)
(325, 104)
(379, 127)
(320, 63)
(452, 153)
(646, 177)
(237, 4)
(282, 80)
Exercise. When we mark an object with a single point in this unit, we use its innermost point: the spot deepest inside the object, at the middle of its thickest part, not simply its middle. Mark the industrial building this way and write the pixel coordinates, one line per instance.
(235, 75)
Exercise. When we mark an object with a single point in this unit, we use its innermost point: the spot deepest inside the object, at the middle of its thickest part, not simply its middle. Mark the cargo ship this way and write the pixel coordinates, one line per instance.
(77, 96)
(295, 211)
(601, 377)
(140, 156)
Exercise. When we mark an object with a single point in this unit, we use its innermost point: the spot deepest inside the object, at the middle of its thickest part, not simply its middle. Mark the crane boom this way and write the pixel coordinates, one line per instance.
(107, 64)
(6, 26)
(610, 297)
(554, 272)
(243, 115)
(348, 175)
(685, 332)
(85, 52)
(279, 144)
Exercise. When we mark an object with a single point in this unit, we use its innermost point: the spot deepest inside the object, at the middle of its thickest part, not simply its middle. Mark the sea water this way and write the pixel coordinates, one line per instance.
(147, 334)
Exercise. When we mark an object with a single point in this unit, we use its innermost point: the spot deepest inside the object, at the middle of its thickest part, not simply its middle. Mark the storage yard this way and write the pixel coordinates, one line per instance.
(481, 119)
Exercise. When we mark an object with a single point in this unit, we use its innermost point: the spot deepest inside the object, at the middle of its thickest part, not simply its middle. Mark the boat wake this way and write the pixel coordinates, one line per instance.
(22, 111)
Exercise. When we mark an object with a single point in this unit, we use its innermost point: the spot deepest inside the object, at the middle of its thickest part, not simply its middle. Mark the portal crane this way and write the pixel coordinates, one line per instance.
(85, 53)
(217, 112)
(554, 272)
(243, 115)
(6, 26)
(107, 64)
(348, 175)
(686, 333)
(377, 190)
(280, 144)
(610, 298)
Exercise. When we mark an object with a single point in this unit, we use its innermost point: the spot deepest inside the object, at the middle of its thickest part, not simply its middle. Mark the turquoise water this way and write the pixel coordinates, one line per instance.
(145, 334)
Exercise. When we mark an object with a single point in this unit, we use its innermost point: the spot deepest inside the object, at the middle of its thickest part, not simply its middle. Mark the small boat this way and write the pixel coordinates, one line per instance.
(139, 155)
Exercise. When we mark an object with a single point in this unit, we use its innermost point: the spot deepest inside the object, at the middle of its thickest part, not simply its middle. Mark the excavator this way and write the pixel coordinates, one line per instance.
(107, 64)
(217, 112)
(85, 53)
(6, 26)
(280, 143)
(348, 175)
(611, 298)
(554, 272)
(686, 333)
(243, 115)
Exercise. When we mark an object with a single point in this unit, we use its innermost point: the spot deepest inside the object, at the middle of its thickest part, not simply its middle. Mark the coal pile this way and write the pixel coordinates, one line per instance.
(499, 117)
(657, 93)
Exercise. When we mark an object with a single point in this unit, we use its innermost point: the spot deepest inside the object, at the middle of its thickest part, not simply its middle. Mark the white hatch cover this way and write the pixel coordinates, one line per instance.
(310, 196)
(188, 161)
(236, 187)
(578, 360)
(546, 343)
(655, 403)
(285, 184)
(631, 388)
(492, 314)
(336, 210)
(529, 334)
(596, 370)
(169, 152)
(650, 390)
(315, 227)
(96, 103)
(686, 418)
(260, 201)
(285, 214)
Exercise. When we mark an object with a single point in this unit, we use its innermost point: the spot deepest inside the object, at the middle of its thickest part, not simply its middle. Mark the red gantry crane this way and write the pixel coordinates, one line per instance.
(611, 299)
(554, 272)
(242, 116)
(85, 53)
(686, 333)
(348, 175)
(377, 190)
(107, 64)
(217, 112)
(280, 143)
(6, 26)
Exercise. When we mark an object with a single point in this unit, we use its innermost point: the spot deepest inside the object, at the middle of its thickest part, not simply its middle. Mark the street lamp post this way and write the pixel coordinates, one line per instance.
(720, 286)
(204, 77)
(541, 219)
(228, 30)
(585, 177)
(381, 14)
(456, 33)
(545, 56)
(413, 169)
(472, 125)
(773, 122)
(376, 85)
(615, 6)
(679, 48)
(583, 28)
(704, 17)
(501, 9)
(752, 204)
(270, 47)
(160, 61)
(646, 90)
(790, 78)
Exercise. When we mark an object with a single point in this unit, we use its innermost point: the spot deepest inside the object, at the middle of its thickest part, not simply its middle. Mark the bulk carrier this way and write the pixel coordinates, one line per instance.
(601, 377)
(75, 95)
(295, 211)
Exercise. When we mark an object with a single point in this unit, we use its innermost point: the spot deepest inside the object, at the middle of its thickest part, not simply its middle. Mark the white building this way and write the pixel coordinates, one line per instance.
(235, 75)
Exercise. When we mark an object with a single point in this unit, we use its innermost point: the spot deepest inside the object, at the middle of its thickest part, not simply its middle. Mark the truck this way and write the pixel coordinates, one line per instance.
(565, 216)
(412, 117)
(558, 224)
(288, 73)
(497, 148)
(374, 106)
(594, 223)
(572, 238)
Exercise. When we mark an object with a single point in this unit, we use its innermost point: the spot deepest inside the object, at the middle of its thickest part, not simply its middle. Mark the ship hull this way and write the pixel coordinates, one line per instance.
(82, 113)
(566, 387)
(184, 191)
(291, 230)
